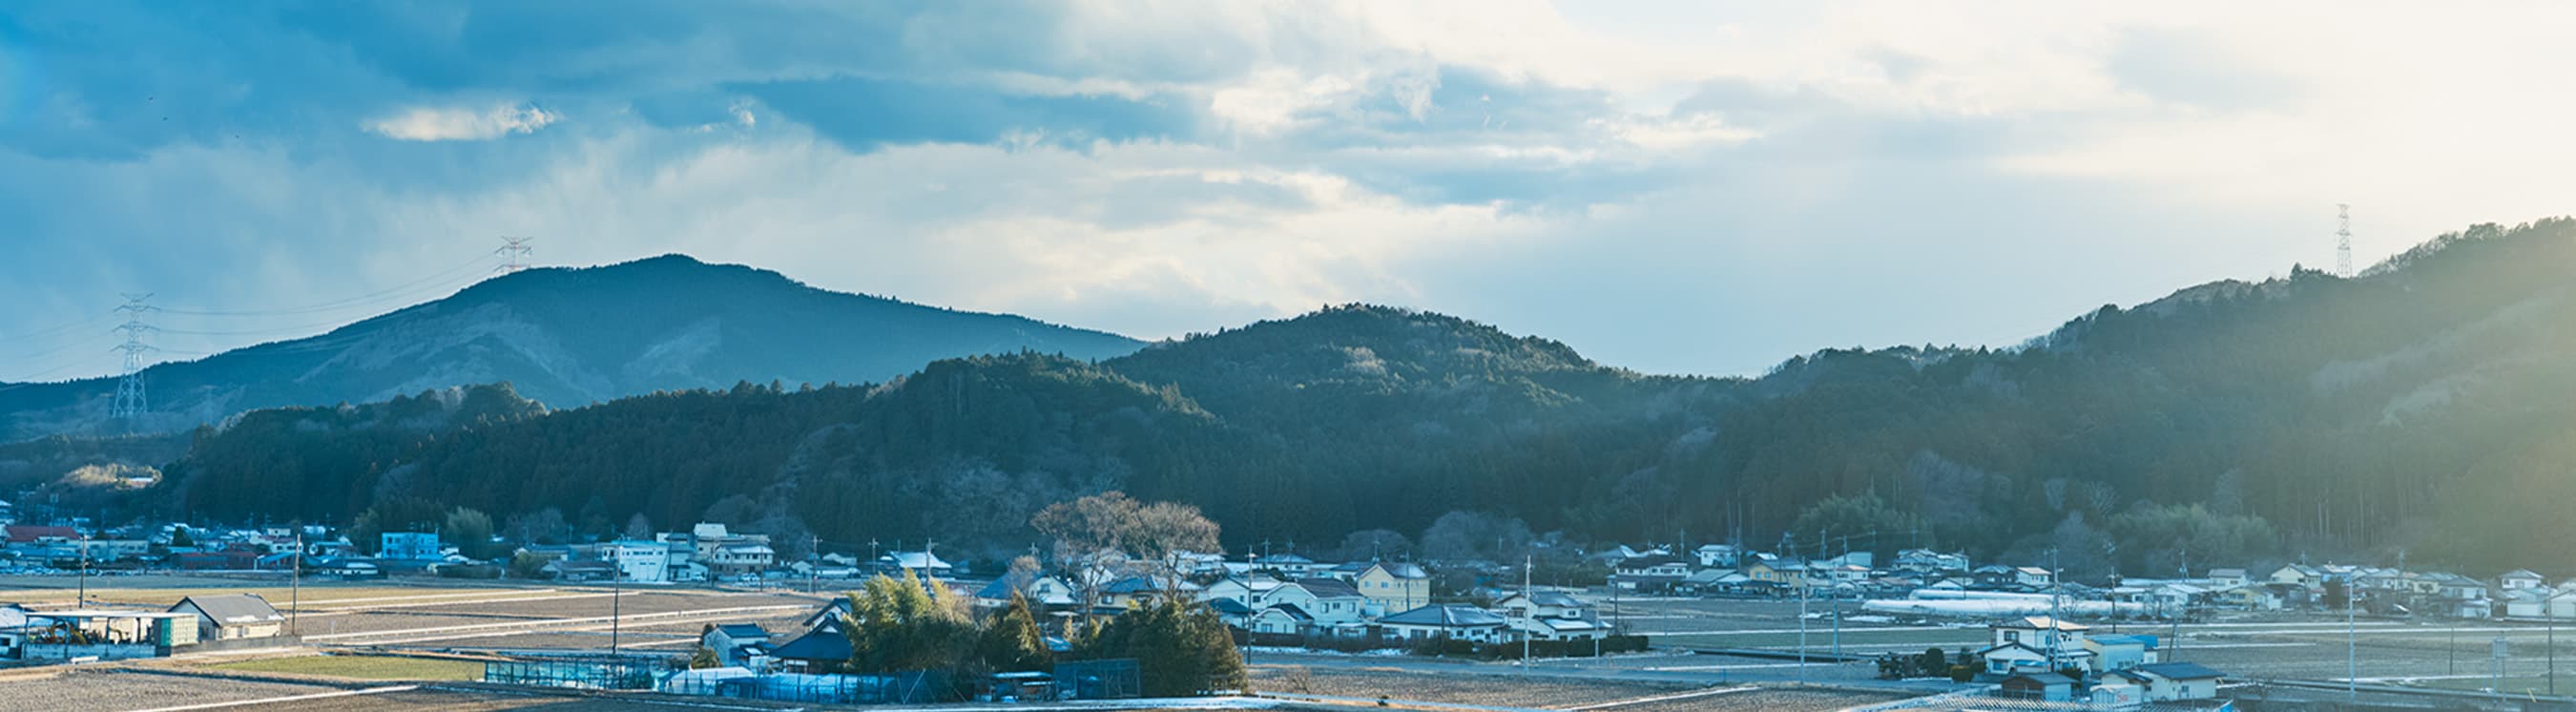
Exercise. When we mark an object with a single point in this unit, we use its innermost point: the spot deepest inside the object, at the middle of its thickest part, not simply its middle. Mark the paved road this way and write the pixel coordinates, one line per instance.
(1666, 668)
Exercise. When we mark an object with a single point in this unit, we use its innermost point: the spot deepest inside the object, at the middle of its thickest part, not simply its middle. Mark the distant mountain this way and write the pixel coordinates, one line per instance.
(567, 338)
(2427, 406)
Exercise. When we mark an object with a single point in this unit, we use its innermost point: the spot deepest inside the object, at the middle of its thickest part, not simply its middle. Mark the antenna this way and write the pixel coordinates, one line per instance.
(2343, 239)
(514, 254)
(130, 401)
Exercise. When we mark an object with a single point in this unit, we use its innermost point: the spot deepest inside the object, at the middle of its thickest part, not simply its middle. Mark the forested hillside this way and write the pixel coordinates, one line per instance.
(2424, 406)
(567, 338)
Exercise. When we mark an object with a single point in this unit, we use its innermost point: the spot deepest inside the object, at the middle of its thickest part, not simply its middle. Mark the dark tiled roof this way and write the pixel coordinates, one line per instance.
(1446, 616)
(824, 643)
(1329, 588)
(2180, 671)
(742, 630)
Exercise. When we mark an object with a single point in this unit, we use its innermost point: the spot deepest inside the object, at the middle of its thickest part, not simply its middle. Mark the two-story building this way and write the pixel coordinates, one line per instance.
(1394, 586)
(2037, 644)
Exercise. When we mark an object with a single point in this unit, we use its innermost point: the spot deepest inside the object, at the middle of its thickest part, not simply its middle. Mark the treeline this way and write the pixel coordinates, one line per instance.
(2424, 407)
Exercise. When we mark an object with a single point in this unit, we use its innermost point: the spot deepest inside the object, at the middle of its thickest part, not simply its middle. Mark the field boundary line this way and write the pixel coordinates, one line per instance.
(1694, 694)
(289, 698)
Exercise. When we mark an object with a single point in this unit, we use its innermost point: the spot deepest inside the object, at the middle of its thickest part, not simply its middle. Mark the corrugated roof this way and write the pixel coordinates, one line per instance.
(233, 609)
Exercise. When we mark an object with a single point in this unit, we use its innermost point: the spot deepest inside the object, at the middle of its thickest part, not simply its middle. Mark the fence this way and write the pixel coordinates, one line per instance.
(1119, 679)
(926, 687)
(583, 674)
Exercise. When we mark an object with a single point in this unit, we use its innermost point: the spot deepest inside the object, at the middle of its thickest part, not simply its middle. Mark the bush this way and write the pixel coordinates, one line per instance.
(1962, 673)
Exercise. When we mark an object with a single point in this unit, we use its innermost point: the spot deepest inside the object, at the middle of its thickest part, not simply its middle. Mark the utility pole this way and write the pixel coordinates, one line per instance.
(1802, 629)
(1526, 561)
(295, 583)
(130, 402)
(616, 594)
(814, 574)
(2351, 649)
(83, 601)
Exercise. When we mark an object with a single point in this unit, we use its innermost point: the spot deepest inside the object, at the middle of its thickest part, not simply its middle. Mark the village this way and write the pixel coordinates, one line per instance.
(1924, 623)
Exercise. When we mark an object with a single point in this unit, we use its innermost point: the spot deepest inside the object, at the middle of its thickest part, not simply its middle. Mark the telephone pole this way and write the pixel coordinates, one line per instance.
(295, 584)
(130, 402)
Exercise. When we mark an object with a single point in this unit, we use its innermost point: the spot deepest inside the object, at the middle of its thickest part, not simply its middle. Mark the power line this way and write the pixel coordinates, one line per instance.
(443, 278)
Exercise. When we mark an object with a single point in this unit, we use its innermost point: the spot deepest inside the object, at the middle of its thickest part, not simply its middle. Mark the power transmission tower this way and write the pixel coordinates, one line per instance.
(130, 401)
(2343, 239)
(514, 254)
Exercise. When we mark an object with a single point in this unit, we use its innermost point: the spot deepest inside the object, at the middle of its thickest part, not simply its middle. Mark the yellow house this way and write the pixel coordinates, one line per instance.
(1760, 569)
(1395, 587)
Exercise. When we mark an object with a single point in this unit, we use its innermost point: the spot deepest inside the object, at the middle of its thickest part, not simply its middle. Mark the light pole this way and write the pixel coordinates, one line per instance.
(616, 595)
(295, 584)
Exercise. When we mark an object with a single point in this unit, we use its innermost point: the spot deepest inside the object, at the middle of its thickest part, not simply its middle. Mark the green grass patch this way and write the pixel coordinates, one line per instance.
(363, 667)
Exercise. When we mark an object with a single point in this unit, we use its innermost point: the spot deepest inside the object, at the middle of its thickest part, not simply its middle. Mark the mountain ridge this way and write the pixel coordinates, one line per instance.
(568, 337)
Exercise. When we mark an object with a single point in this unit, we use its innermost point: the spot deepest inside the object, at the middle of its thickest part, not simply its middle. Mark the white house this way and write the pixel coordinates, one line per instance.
(2227, 578)
(1452, 622)
(2037, 644)
(738, 645)
(1721, 556)
(1550, 615)
(2519, 579)
(641, 560)
(2167, 682)
(231, 616)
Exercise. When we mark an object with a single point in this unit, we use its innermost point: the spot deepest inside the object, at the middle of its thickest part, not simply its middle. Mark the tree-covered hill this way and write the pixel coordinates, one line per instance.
(568, 338)
(2424, 406)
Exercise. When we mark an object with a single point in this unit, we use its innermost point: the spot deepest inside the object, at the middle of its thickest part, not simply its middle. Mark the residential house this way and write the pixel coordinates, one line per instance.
(1330, 605)
(1283, 618)
(232, 616)
(2170, 682)
(1394, 586)
(408, 546)
(1551, 615)
(1651, 573)
(2038, 685)
(1134, 592)
(740, 645)
(2515, 580)
(1447, 621)
(2036, 644)
(1993, 577)
(921, 561)
(2033, 577)
(1720, 556)
(2248, 598)
(1042, 591)
(1289, 565)
(2227, 578)
(1929, 561)
(2300, 575)
(2562, 605)
(2526, 603)
(823, 647)
(2121, 652)
(640, 560)
(1787, 573)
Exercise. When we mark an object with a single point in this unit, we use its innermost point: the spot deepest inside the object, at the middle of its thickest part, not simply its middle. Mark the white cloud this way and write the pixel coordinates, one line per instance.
(463, 124)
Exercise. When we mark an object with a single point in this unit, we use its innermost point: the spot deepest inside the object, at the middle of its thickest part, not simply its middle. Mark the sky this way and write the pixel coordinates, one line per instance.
(1672, 187)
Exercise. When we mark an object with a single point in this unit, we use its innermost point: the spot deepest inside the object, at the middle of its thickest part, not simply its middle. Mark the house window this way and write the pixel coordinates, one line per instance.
(2012, 636)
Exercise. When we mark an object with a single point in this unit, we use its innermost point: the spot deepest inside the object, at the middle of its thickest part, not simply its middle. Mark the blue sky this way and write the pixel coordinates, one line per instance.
(1686, 187)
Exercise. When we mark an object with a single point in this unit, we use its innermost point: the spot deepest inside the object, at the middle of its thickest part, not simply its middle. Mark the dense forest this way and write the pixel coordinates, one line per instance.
(2422, 406)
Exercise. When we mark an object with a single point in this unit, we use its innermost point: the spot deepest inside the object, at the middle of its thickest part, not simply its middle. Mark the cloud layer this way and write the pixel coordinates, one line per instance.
(1697, 187)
